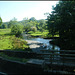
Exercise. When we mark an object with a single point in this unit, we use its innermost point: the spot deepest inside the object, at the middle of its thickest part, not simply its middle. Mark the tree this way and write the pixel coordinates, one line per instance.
(42, 25)
(16, 30)
(63, 18)
(34, 29)
(0, 21)
(12, 22)
(32, 19)
(4, 26)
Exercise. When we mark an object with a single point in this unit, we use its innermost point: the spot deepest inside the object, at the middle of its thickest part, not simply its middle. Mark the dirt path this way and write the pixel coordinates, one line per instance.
(35, 46)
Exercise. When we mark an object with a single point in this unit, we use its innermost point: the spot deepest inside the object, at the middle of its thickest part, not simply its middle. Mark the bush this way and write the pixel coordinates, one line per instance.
(19, 44)
(34, 29)
(16, 30)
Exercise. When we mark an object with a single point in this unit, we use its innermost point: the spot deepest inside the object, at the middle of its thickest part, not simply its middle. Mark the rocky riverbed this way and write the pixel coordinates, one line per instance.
(35, 46)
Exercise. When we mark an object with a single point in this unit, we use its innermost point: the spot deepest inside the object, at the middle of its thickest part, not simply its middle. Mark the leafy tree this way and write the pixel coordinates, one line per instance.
(0, 21)
(16, 30)
(62, 20)
(34, 29)
(32, 19)
(12, 22)
(4, 26)
(42, 25)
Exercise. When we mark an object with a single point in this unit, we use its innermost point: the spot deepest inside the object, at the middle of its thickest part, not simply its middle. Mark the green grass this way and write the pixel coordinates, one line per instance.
(42, 34)
(13, 58)
(5, 43)
(5, 31)
(8, 41)
(38, 33)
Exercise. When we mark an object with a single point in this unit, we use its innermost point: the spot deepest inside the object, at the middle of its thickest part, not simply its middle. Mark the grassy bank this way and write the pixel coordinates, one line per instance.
(41, 34)
(13, 58)
(38, 33)
(8, 41)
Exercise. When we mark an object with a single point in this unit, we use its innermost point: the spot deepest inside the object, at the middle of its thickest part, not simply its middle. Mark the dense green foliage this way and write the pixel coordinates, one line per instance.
(61, 21)
(27, 24)
(0, 21)
(16, 30)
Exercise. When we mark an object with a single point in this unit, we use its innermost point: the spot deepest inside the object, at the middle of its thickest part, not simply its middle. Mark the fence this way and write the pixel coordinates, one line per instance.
(62, 61)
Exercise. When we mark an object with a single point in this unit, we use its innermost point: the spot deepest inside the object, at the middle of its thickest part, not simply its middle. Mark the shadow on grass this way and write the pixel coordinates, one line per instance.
(10, 34)
(20, 54)
(7, 34)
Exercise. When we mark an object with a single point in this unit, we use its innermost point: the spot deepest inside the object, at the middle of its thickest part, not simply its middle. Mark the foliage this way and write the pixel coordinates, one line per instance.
(27, 27)
(18, 44)
(0, 21)
(3, 26)
(8, 41)
(62, 21)
(32, 19)
(16, 30)
(42, 25)
(34, 29)
(27, 24)
(12, 22)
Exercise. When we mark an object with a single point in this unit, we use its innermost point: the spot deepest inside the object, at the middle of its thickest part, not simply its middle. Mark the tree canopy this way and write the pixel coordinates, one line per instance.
(0, 21)
(62, 20)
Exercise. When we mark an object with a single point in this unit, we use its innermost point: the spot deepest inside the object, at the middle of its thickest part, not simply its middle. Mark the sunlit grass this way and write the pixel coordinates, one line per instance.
(5, 43)
(44, 34)
(4, 39)
(8, 41)
(4, 31)
(38, 33)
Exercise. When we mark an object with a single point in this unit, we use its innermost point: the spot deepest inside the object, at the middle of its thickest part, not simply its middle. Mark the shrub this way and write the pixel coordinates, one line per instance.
(34, 29)
(19, 44)
(16, 30)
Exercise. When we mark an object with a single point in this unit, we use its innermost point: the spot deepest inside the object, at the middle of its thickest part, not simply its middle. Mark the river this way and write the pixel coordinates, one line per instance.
(40, 45)
(45, 42)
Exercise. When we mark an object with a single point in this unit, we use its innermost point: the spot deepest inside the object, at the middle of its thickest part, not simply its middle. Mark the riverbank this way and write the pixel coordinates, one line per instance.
(9, 41)
(44, 34)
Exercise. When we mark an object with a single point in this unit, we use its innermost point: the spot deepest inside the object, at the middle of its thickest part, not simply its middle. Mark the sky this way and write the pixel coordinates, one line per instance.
(22, 9)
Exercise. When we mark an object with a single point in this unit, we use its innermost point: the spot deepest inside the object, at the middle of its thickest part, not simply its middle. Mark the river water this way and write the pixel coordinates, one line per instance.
(41, 40)
(45, 42)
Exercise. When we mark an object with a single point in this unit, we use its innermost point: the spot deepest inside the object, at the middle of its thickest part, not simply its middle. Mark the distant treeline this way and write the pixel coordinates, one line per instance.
(27, 24)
